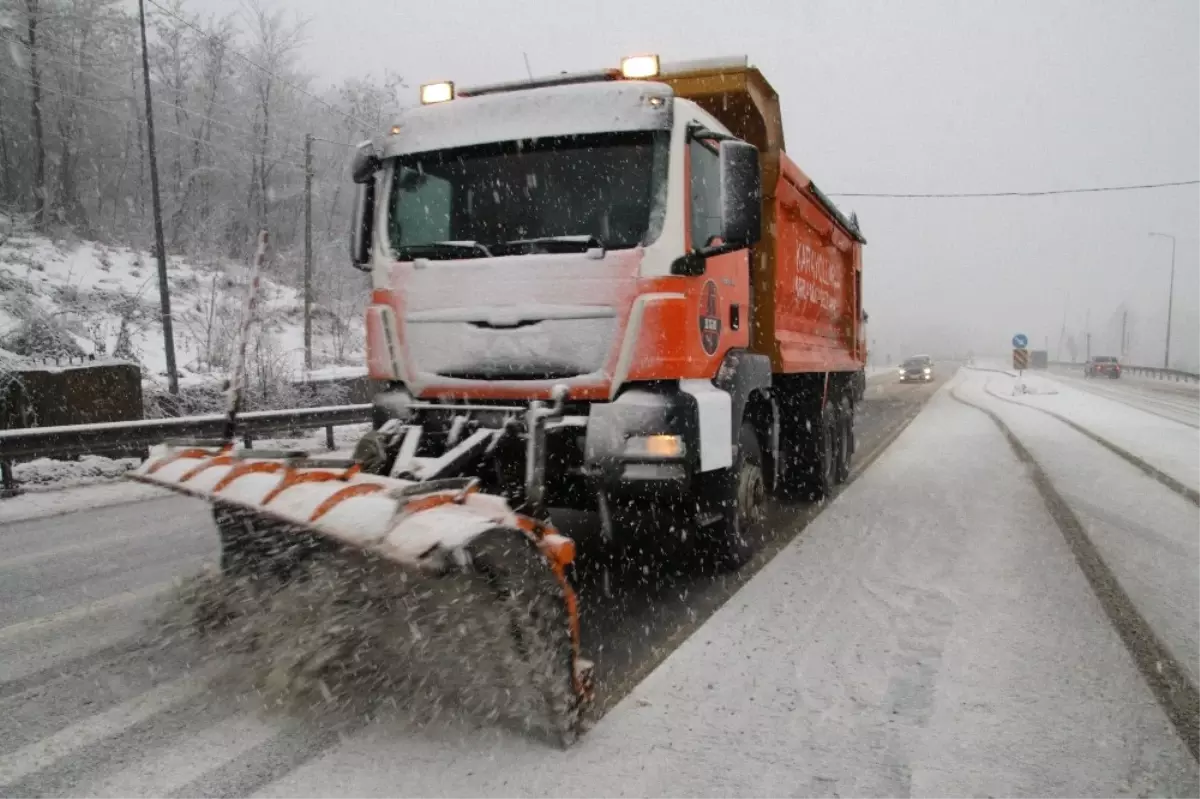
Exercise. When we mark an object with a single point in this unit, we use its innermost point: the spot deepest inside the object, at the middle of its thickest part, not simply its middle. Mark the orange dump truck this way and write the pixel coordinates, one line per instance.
(635, 248)
(610, 291)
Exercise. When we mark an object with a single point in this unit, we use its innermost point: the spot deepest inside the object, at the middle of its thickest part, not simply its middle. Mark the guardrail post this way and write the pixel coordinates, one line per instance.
(329, 436)
(8, 482)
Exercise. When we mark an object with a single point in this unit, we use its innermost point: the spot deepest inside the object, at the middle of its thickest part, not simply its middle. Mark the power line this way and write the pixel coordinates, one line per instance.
(258, 66)
(959, 195)
(85, 101)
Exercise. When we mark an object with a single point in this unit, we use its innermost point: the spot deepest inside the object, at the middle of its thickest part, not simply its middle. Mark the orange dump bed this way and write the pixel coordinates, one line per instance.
(807, 267)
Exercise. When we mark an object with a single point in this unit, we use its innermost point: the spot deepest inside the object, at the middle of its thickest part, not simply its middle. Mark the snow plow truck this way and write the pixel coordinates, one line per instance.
(609, 291)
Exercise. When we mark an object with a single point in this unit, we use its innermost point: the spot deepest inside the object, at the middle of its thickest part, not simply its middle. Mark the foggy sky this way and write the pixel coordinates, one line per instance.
(909, 96)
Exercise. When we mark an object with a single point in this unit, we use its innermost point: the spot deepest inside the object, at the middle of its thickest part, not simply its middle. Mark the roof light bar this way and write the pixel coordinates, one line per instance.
(640, 66)
(437, 92)
(564, 79)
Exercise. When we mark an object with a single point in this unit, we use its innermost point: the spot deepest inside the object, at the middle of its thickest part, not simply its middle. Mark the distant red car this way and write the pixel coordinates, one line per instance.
(1103, 365)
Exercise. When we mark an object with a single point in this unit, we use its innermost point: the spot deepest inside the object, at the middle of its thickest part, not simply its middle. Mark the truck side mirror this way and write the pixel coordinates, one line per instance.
(362, 230)
(362, 226)
(741, 205)
(741, 194)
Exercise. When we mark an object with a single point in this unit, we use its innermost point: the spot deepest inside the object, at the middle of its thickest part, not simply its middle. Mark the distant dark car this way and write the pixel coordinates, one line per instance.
(1102, 365)
(917, 369)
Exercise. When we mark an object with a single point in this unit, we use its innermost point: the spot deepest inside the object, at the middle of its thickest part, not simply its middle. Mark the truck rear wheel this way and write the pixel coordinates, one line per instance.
(737, 497)
(821, 463)
(844, 444)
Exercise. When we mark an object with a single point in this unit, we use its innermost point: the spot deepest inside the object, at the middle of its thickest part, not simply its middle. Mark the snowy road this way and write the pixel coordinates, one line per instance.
(1177, 401)
(90, 703)
(925, 635)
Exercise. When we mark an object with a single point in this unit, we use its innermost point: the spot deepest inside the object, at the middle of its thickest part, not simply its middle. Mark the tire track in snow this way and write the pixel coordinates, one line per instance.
(1141, 402)
(1153, 472)
(32, 758)
(1163, 673)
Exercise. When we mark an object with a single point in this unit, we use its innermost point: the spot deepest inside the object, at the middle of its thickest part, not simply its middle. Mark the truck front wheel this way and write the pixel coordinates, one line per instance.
(732, 504)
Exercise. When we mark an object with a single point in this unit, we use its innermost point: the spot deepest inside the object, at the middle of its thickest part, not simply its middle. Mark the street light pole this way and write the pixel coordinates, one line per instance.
(1170, 299)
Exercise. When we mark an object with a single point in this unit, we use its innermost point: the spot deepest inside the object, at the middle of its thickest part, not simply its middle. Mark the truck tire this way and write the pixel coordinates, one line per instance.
(737, 496)
(822, 458)
(844, 443)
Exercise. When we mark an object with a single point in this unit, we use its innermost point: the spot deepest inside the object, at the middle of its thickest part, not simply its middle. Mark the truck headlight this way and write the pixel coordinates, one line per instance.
(656, 446)
(927, 370)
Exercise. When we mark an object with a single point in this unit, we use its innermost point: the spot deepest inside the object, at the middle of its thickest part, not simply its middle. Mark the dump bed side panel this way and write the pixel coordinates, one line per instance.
(817, 286)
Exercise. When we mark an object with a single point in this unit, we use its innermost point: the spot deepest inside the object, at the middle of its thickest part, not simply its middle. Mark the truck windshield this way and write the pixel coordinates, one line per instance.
(515, 196)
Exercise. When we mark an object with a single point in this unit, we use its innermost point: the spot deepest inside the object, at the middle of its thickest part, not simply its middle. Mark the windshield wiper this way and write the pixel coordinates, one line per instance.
(549, 244)
(443, 250)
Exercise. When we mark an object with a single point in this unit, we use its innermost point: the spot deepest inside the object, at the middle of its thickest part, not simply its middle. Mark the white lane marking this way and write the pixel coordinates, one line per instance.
(40, 754)
(165, 771)
(80, 612)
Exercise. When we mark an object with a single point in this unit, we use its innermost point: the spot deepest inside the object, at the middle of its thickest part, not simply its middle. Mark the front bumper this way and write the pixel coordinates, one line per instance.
(645, 442)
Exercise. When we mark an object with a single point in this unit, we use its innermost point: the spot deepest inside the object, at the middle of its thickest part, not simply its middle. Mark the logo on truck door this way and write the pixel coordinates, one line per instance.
(710, 318)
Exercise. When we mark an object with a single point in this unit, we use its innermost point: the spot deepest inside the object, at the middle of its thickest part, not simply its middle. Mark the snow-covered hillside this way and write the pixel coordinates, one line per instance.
(80, 298)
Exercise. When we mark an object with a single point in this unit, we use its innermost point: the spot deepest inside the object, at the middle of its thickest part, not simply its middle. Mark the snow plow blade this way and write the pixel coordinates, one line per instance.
(277, 511)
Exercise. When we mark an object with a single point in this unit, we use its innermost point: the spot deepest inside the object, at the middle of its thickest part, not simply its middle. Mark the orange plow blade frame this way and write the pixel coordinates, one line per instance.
(425, 526)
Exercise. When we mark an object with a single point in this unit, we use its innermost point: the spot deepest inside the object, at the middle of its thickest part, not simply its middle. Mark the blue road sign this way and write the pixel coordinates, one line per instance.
(1020, 341)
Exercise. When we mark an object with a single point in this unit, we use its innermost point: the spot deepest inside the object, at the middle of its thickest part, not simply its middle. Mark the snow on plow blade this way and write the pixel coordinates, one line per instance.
(276, 509)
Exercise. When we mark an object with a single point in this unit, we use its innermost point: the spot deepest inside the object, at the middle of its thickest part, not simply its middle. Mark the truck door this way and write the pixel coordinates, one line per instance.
(722, 296)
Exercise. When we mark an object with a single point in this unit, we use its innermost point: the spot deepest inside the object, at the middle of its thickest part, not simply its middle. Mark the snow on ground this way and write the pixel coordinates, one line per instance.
(1169, 446)
(928, 634)
(1176, 400)
(90, 287)
(88, 469)
(40, 504)
(1146, 533)
(1130, 378)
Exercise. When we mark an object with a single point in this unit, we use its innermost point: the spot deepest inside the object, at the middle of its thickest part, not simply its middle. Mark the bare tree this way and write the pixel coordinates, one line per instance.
(35, 111)
(232, 109)
(6, 170)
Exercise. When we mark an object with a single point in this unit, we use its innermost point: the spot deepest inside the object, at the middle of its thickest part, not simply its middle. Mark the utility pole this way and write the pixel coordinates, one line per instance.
(164, 290)
(308, 254)
(1124, 321)
(1062, 332)
(1170, 299)
(1087, 334)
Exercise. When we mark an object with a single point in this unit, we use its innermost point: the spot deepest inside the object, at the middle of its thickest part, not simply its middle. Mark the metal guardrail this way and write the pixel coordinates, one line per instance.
(1156, 372)
(66, 441)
